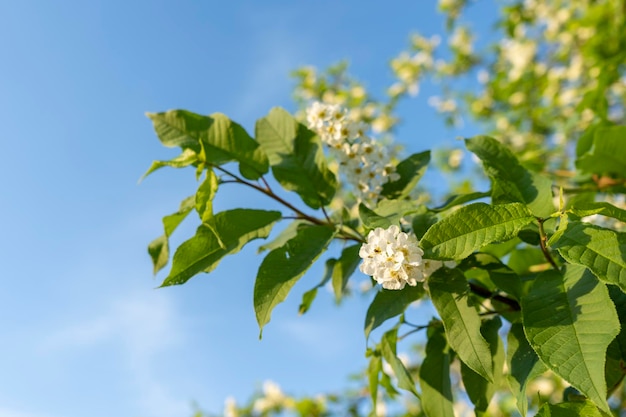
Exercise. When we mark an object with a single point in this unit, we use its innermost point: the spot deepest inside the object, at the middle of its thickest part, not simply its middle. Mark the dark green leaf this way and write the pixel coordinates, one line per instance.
(286, 234)
(615, 368)
(569, 320)
(457, 200)
(524, 365)
(472, 227)
(226, 233)
(603, 251)
(449, 293)
(511, 182)
(283, 266)
(388, 304)
(410, 171)
(421, 222)
(309, 296)
(344, 268)
(296, 156)
(370, 219)
(435, 376)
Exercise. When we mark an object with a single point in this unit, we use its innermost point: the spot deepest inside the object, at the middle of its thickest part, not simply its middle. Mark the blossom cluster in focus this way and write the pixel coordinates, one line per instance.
(364, 162)
(394, 259)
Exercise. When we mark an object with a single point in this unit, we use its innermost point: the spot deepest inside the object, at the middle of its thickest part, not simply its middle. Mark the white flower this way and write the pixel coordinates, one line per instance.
(393, 258)
(230, 407)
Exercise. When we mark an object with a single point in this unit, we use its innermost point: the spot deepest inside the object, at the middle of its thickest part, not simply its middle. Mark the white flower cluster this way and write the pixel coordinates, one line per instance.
(364, 162)
(394, 259)
(273, 398)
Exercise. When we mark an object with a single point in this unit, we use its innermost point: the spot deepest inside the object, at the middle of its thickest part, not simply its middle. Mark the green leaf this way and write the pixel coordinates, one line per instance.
(471, 227)
(524, 365)
(449, 293)
(344, 268)
(216, 138)
(226, 233)
(283, 266)
(205, 194)
(435, 376)
(309, 296)
(186, 158)
(607, 154)
(388, 349)
(569, 321)
(602, 208)
(421, 222)
(373, 372)
(297, 158)
(457, 200)
(388, 304)
(159, 248)
(603, 251)
(370, 219)
(411, 171)
(394, 210)
(511, 181)
(570, 409)
(479, 390)
(500, 275)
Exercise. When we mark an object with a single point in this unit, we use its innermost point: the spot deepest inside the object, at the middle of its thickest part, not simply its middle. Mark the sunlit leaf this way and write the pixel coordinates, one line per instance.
(471, 227)
(388, 304)
(449, 292)
(344, 268)
(601, 250)
(410, 170)
(296, 156)
(226, 233)
(388, 349)
(569, 320)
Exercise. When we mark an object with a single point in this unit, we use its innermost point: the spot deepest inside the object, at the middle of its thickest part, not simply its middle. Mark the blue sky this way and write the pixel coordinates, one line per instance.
(84, 331)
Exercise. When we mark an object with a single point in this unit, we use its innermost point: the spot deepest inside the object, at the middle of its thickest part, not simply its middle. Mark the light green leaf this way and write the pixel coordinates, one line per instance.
(283, 266)
(479, 390)
(373, 372)
(186, 158)
(471, 227)
(297, 158)
(511, 182)
(435, 375)
(225, 234)
(457, 200)
(569, 320)
(216, 138)
(449, 292)
(205, 194)
(388, 349)
(388, 304)
(394, 210)
(603, 251)
(570, 409)
(411, 171)
(602, 208)
(159, 248)
(607, 154)
(344, 268)
(524, 365)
